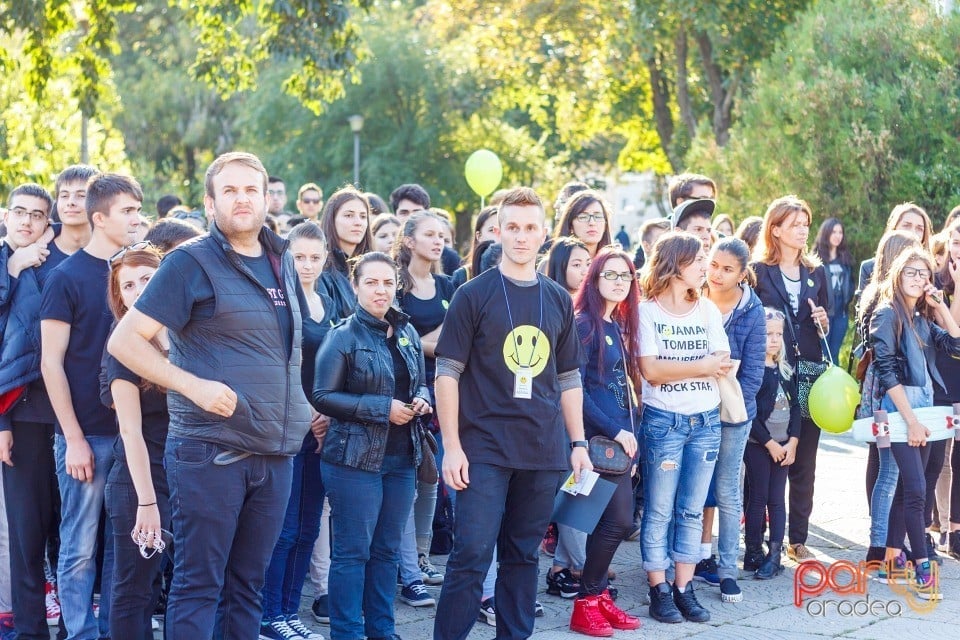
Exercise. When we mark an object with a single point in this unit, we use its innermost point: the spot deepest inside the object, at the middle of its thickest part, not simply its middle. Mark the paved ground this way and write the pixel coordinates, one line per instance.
(838, 531)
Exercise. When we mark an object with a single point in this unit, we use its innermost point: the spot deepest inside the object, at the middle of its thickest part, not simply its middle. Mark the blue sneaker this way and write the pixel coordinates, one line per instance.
(706, 571)
(415, 594)
(928, 581)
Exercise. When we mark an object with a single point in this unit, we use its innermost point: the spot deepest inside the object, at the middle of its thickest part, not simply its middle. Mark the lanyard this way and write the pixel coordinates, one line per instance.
(506, 298)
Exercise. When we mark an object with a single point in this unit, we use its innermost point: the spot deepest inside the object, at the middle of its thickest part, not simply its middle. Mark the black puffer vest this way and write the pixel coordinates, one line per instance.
(242, 346)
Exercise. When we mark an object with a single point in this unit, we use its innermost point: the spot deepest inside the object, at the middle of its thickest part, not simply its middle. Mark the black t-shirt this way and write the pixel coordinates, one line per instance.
(427, 315)
(180, 291)
(495, 427)
(399, 441)
(153, 409)
(76, 293)
(949, 369)
(263, 271)
(314, 333)
(34, 406)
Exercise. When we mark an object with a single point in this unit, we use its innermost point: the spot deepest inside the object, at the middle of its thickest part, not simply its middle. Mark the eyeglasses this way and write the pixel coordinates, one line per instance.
(137, 246)
(612, 276)
(35, 216)
(910, 272)
(311, 201)
(589, 217)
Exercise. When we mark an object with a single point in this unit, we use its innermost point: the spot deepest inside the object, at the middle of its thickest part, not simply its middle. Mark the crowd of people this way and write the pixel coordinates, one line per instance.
(199, 411)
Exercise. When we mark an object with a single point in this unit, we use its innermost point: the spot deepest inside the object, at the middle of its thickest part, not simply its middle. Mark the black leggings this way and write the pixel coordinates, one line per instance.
(602, 544)
(906, 513)
(768, 481)
(873, 470)
(938, 450)
(955, 485)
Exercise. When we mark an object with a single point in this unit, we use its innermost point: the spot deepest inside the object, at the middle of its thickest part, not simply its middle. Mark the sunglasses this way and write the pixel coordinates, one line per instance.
(137, 246)
(774, 315)
(311, 201)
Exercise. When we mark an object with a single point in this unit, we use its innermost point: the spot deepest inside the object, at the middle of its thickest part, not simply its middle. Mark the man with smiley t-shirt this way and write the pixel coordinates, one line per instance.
(508, 377)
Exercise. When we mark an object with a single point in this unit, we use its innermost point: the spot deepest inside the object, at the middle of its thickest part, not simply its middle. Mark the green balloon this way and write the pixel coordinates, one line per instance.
(483, 171)
(833, 400)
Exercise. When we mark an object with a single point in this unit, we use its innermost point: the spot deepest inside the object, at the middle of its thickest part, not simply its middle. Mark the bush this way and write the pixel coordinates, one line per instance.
(856, 111)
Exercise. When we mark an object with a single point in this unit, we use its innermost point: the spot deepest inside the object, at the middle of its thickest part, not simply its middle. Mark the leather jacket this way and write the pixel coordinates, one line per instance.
(903, 355)
(354, 385)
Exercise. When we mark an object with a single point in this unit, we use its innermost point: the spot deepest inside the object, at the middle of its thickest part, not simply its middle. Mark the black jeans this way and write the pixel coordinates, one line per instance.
(938, 451)
(29, 489)
(802, 474)
(768, 483)
(602, 544)
(906, 513)
(136, 580)
(508, 508)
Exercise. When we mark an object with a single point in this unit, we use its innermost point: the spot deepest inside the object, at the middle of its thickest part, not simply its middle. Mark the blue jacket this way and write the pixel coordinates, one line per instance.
(19, 325)
(747, 332)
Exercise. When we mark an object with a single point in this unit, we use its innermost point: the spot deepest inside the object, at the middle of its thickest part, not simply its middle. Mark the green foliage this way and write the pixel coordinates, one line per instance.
(234, 40)
(40, 137)
(855, 116)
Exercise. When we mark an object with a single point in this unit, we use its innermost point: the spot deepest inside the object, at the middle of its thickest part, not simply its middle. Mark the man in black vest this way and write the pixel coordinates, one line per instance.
(231, 302)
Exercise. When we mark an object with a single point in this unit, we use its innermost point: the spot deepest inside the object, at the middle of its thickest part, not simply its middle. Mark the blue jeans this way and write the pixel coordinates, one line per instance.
(680, 454)
(729, 496)
(301, 526)
(418, 532)
(838, 331)
(226, 520)
(509, 509)
(368, 511)
(886, 484)
(80, 506)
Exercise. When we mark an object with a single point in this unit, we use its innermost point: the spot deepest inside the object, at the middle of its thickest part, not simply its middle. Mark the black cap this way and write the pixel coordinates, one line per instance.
(694, 206)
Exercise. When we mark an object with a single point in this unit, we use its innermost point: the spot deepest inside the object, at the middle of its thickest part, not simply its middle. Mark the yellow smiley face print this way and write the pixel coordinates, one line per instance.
(526, 346)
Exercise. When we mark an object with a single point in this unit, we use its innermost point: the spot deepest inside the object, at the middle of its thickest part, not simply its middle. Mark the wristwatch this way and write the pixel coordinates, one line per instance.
(579, 443)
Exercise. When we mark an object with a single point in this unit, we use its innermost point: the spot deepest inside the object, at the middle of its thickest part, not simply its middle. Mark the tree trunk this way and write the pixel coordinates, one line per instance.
(720, 96)
(663, 118)
(683, 87)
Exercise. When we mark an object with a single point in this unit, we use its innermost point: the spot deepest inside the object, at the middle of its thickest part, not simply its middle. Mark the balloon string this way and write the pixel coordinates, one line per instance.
(823, 338)
(481, 203)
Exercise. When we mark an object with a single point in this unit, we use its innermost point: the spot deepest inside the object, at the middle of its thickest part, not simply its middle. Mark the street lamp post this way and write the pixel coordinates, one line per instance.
(356, 125)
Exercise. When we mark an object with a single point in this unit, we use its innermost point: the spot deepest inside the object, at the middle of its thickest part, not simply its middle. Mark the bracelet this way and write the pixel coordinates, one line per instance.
(147, 505)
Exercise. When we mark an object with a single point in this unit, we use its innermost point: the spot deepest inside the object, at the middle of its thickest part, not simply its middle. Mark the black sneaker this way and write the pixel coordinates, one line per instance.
(686, 601)
(488, 612)
(321, 609)
(953, 545)
(662, 606)
(706, 571)
(563, 584)
(932, 551)
(730, 591)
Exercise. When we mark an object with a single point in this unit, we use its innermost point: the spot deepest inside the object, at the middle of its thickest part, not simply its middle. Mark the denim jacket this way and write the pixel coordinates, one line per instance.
(354, 385)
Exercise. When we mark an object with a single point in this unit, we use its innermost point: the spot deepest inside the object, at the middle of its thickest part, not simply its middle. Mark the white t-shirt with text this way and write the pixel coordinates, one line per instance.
(683, 338)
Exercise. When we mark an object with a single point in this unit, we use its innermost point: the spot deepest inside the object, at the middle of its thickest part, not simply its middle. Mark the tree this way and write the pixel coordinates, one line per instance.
(39, 138)
(699, 57)
(233, 39)
(855, 116)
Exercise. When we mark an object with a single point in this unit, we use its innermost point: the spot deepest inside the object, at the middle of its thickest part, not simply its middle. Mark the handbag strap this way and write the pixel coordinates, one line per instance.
(629, 382)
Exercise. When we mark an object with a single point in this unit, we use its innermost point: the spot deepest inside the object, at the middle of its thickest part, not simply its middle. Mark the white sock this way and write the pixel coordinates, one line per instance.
(706, 550)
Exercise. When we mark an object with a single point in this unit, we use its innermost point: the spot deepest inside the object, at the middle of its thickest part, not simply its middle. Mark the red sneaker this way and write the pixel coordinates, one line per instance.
(548, 546)
(587, 618)
(53, 605)
(617, 617)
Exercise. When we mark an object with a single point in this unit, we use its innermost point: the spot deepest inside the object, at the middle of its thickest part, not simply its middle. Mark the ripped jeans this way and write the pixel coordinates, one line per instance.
(680, 452)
